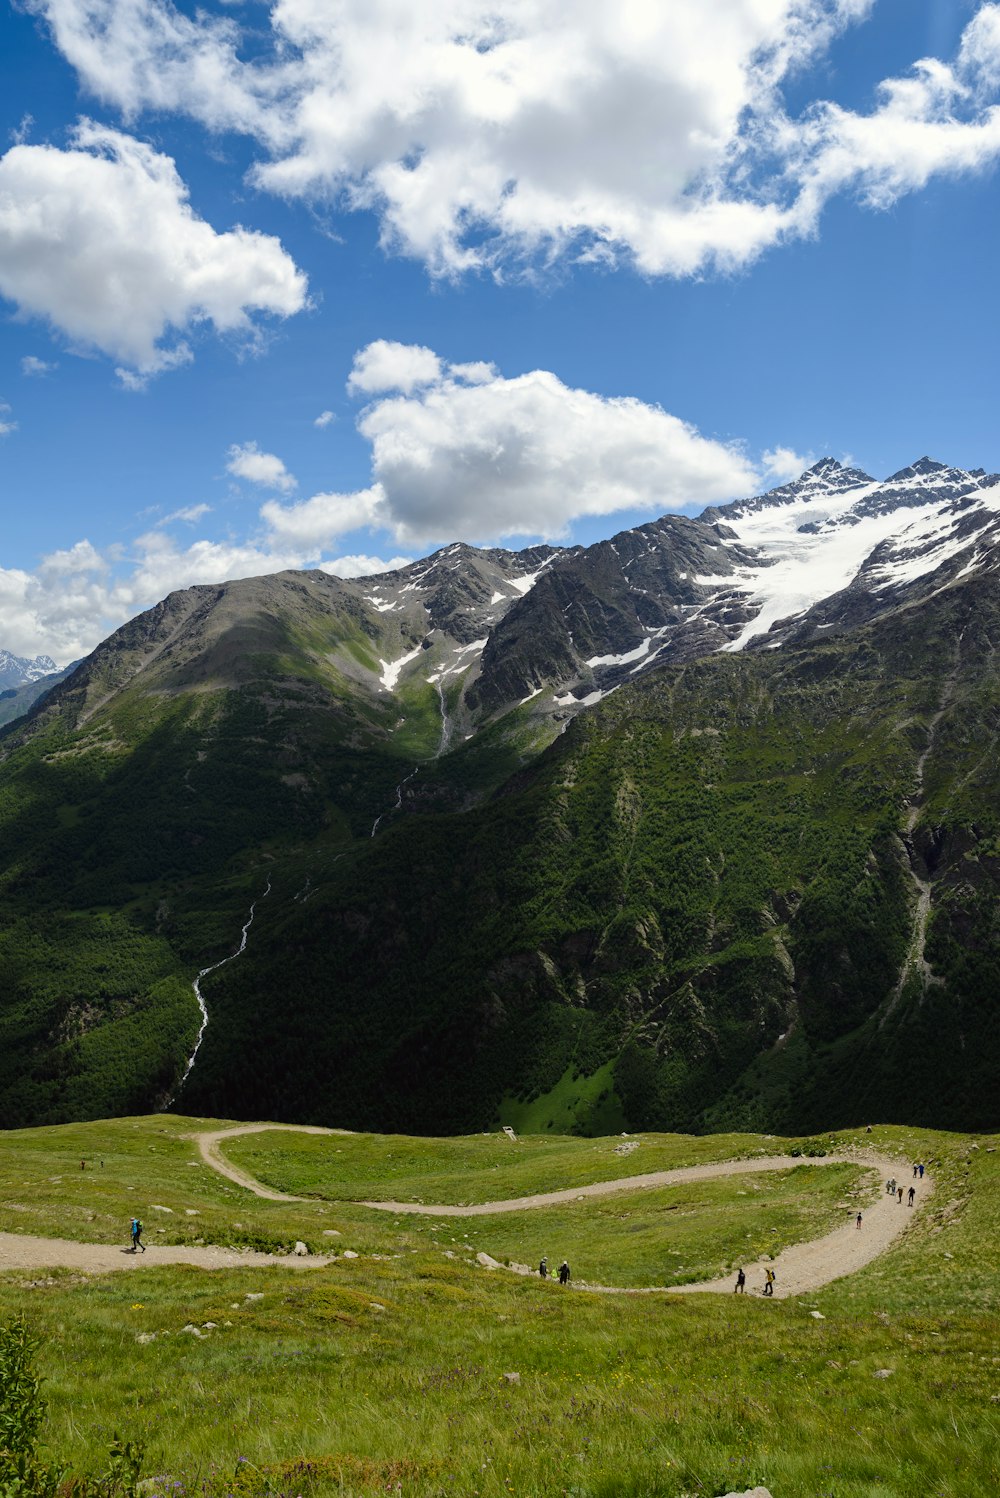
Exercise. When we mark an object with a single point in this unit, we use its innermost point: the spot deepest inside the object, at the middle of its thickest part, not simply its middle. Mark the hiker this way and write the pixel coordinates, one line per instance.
(888, 1188)
(543, 1268)
(564, 1273)
(900, 1196)
(910, 1195)
(859, 1220)
(741, 1281)
(921, 1172)
(768, 1281)
(136, 1230)
(915, 1170)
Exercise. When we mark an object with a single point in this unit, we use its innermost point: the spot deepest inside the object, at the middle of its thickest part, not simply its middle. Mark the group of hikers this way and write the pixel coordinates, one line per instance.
(893, 1188)
(741, 1282)
(543, 1270)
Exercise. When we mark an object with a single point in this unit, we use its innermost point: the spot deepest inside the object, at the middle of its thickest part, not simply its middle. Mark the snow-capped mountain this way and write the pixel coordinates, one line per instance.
(473, 634)
(831, 550)
(841, 545)
(15, 670)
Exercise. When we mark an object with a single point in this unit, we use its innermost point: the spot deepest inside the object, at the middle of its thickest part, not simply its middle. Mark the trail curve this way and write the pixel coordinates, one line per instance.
(803, 1266)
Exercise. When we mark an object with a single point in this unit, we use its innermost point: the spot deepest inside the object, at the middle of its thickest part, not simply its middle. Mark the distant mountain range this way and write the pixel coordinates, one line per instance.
(694, 827)
(23, 682)
(15, 670)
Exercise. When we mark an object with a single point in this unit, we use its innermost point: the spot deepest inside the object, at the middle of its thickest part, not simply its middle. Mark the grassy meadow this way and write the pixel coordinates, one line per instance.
(410, 1369)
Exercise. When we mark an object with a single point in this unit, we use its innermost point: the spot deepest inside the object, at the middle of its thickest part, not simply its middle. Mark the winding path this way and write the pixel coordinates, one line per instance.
(802, 1268)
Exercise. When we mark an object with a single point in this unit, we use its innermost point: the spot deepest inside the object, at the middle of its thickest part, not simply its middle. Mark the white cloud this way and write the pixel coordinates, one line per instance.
(190, 514)
(363, 566)
(935, 122)
(384, 365)
(528, 455)
(77, 560)
(485, 133)
(505, 457)
(31, 365)
(782, 464)
(7, 425)
(314, 524)
(324, 419)
(248, 462)
(476, 373)
(101, 242)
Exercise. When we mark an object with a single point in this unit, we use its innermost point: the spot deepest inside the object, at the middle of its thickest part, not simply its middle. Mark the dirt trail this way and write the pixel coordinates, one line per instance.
(208, 1143)
(805, 1267)
(18, 1251)
(800, 1269)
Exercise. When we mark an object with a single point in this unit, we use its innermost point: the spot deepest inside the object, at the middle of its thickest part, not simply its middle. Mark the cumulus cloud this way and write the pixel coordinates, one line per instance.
(324, 419)
(314, 524)
(459, 452)
(101, 242)
(384, 365)
(782, 464)
(266, 470)
(363, 566)
(486, 133)
(31, 365)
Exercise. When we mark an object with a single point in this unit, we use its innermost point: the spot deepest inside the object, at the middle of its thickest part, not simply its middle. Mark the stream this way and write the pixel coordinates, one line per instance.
(915, 959)
(196, 985)
(399, 800)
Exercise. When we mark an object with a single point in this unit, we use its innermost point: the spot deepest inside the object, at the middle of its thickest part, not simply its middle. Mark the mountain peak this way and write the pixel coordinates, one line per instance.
(920, 469)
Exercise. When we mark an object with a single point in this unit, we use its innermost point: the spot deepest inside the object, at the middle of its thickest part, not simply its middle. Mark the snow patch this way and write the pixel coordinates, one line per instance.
(391, 669)
(622, 660)
(591, 699)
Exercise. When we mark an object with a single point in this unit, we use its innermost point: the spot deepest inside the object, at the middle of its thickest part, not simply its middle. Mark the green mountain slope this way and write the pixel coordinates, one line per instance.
(708, 885)
(217, 735)
(751, 890)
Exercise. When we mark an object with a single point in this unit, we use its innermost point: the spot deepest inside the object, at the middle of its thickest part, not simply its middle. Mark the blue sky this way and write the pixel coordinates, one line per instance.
(332, 283)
